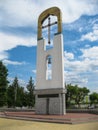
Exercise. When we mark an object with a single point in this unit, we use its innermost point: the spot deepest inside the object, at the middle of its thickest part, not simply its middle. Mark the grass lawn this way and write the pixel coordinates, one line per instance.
(9, 124)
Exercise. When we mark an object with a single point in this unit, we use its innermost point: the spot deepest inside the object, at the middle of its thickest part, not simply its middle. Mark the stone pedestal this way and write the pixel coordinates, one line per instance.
(50, 101)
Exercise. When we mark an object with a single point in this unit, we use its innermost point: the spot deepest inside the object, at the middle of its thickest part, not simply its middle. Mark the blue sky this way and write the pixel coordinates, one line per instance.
(18, 39)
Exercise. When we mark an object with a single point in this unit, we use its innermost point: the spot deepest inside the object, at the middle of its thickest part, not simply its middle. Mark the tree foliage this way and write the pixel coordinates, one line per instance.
(94, 98)
(10, 96)
(18, 97)
(76, 94)
(15, 94)
(31, 97)
(3, 84)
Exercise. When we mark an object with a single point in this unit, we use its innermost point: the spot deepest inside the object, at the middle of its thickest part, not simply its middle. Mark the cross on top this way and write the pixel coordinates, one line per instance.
(48, 25)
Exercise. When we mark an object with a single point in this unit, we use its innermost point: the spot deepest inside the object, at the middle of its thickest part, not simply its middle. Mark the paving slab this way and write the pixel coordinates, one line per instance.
(69, 118)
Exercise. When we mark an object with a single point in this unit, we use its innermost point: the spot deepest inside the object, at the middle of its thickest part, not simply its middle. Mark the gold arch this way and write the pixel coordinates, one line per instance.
(55, 11)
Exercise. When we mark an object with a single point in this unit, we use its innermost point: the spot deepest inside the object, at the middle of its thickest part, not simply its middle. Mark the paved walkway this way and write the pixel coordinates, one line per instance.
(69, 118)
(9, 124)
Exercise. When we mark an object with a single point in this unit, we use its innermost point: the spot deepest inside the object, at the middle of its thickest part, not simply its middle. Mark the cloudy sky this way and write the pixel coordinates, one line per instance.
(18, 39)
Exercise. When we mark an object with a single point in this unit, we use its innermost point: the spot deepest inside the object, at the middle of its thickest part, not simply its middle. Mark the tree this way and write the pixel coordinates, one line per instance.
(80, 95)
(20, 96)
(76, 94)
(31, 97)
(69, 94)
(15, 94)
(15, 84)
(10, 96)
(3, 84)
(94, 98)
(25, 99)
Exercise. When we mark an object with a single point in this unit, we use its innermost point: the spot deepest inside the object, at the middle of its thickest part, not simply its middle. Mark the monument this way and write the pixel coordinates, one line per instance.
(50, 89)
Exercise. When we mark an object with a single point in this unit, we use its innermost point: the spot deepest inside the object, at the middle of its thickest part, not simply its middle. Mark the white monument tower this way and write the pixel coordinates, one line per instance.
(50, 89)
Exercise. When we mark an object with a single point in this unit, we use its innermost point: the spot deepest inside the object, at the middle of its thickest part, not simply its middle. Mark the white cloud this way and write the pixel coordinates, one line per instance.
(87, 46)
(82, 71)
(87, 62)
(68, 55)
(34, 71)
(91, 36)
(10, 41)
(3, 55)
(24, 13)
(7, 62)
(95, 27)
(91, 53)
(74, 78)
(18, 13)
(76, 66)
